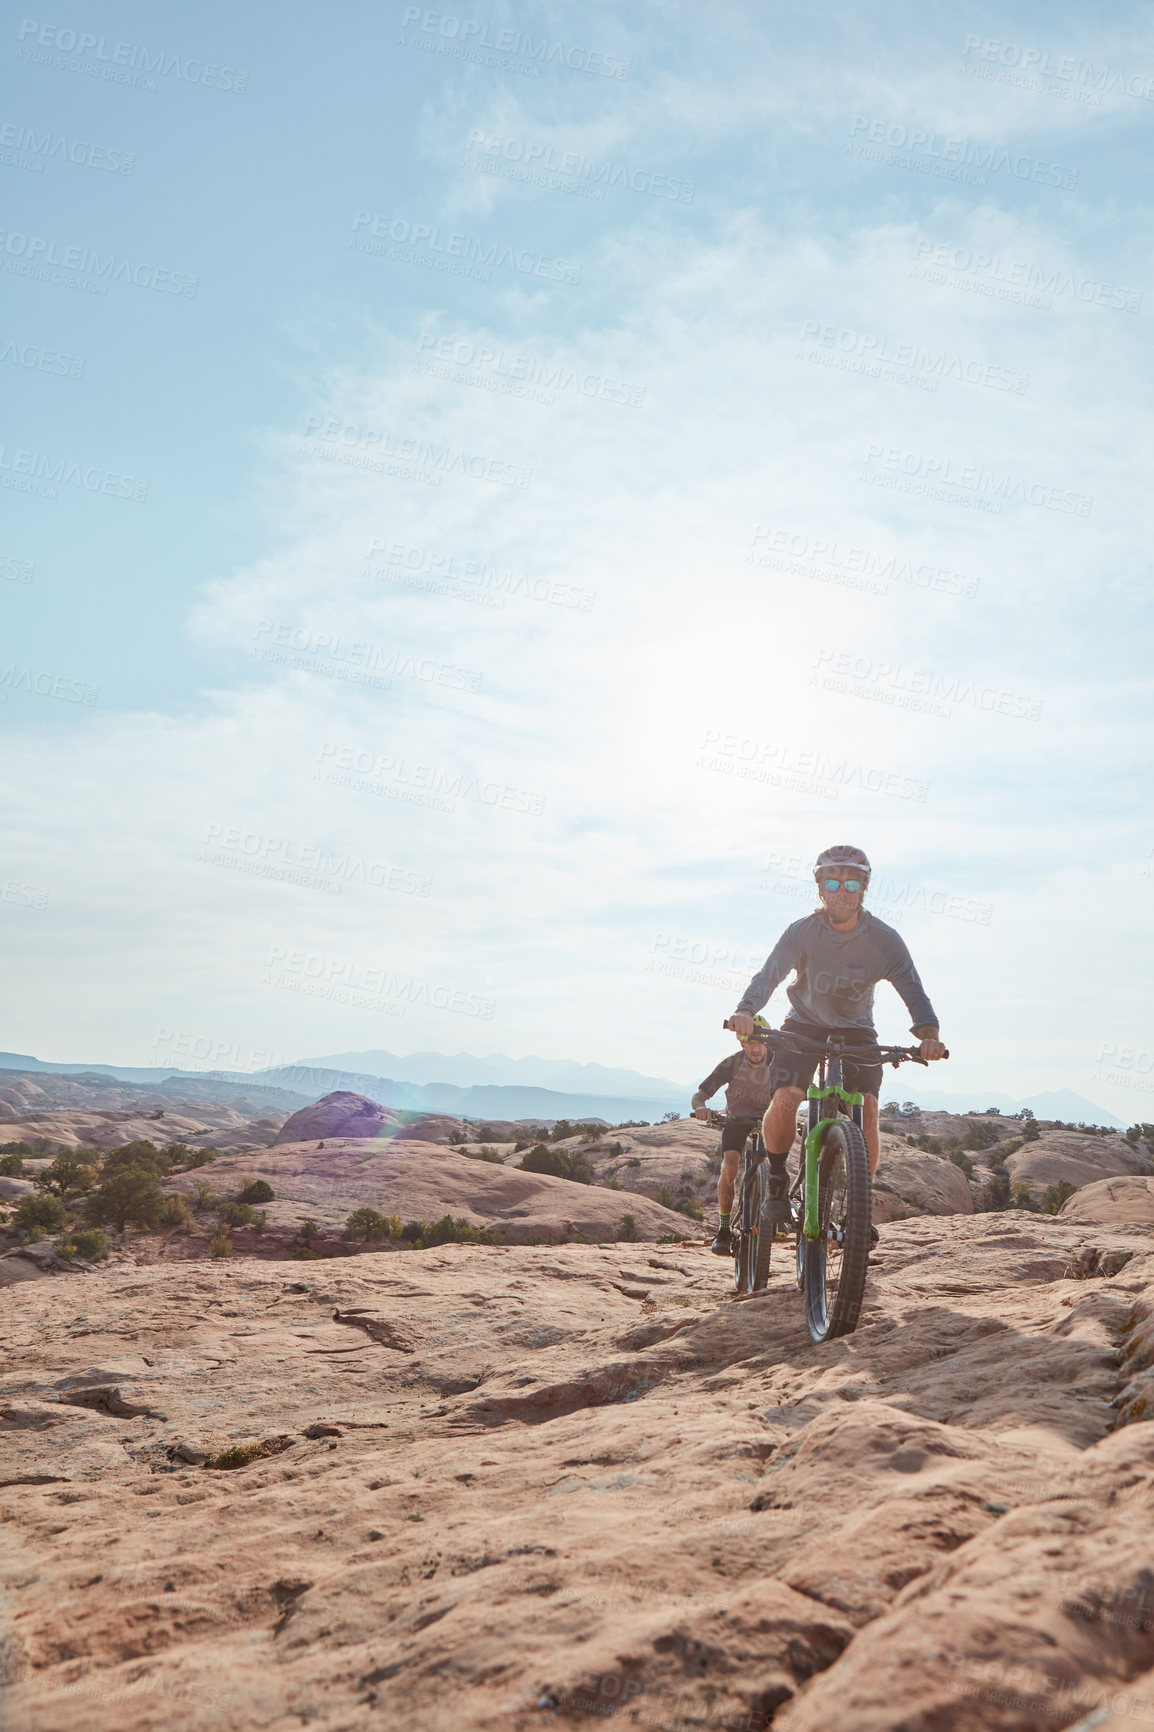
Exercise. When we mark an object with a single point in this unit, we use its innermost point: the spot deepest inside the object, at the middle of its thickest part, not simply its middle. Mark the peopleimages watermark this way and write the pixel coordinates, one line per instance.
(960, 159)
(850, 565)
(357, 657)
(16, 570)
(414, 783)
(375, 448)
(701, 962)
(36, 359)
(466, 362)
(77, 267)
(461, 255)
(433, 571)
(966, 483)
(914, 688)
(1076, 78)
(34, 472)
(1127, 1057)
(119, 62)
(23, 895)
(797, 880)
(473, 36)
(990, 274)
(330, 977)
(780, 764)
(312, 867)
(209, 1053)
(567, 170)
(24, 147)
(908, 363)
(41, 684)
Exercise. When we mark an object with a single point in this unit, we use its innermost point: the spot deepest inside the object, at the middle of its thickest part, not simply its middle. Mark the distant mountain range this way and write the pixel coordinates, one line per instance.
(498, 1087)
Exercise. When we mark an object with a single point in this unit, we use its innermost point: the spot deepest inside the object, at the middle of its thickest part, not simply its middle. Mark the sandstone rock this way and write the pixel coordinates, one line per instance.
(1078, 1159)
(424, 1182)
(1125, 1202)
(11, 1190)
(340, 1114)
(433, 1128)
(565, 1505)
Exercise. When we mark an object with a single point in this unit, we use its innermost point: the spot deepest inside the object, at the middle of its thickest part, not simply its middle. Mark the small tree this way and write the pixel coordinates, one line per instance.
(257, 1191)
(368, 1225)
(128, 1193)
(1023, 1197)
(1056, 1195)
(628, 1229)
(235, 1214)
(220, 1245)
(979, 1135)
(68, 1174)
(90, 1242)
(308, 1231)
(11, 1166)
(43, 1213)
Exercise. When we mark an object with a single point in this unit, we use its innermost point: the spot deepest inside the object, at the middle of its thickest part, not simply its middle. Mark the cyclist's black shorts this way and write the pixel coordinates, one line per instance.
(735, 1133)
(795, 1067)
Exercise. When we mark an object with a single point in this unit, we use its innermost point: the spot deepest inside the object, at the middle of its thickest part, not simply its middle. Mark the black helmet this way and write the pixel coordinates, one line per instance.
(842, 854)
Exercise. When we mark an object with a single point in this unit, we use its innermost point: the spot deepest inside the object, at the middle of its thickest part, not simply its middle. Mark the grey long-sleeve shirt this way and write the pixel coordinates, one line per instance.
(837, 972)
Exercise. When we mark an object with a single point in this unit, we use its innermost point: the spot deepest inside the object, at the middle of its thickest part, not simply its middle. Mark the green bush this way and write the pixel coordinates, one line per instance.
(68, 1174)
(176, 1213)
(256, 1191)
(220, 1245)
(1056, 1195)
(559, 1164)
(929, 1145)
(962, 1160)
(90, 1243)
(980, 1135)
(447, 1231)
(127, 1193)
(1030, 1131)
(367, 1225)
(308, 1231)
(44, 1212)
(138, 1154)
(999, 1190)
(234, 1214)
(627, 1229)
(1022, 1197)
(485, 1153)
(11, 1166)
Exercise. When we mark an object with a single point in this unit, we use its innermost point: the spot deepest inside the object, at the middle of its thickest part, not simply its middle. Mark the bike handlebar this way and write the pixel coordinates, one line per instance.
(894, 1055)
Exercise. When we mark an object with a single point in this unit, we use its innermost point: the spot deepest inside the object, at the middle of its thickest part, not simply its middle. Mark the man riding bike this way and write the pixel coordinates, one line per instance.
(746, 1076)
(837, 955)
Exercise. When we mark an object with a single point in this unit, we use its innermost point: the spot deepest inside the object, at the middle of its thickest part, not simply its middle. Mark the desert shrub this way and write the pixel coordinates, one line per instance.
(308, 1231)
(256, 1191)
(1022, 1197)
(236, 1214)
(89, 1242)
(962, 1160)
(11, 1166)
(561, 1130)
(448, 1231)
(176, 1213)
(682, 1201)
(220, 1245)
(998, 1190)
(979, 1135)
(1030, 1131)
(44, 1212)
(616, 1150)
(198, 1158)
(67, 1175)
(668, 1118)
(202, 1194)
(485, 1153)
(633, 1161)
(615, 1185)
(127, 1193)
(627, 1229)
(559, 1163)
(369, 1225)
(519, 1147)
(138, 1154)
(929, 1145)
(1056, 1195)
(890, 1109)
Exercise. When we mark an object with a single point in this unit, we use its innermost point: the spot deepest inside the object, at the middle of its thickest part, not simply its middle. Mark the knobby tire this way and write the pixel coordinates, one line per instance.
(835, 1273)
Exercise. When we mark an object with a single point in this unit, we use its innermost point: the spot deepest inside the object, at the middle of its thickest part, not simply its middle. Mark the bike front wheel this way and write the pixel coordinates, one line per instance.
(836, 1261)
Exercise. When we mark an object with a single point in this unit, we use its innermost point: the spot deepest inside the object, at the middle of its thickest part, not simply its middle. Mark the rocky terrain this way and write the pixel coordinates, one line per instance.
(525, 1486)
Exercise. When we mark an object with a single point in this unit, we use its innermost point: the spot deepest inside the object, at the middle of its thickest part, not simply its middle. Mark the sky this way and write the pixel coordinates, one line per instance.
(490, 495)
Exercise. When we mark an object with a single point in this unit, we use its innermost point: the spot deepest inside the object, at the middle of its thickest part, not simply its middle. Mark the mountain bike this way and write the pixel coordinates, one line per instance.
(753, 1226)
(832, 1192)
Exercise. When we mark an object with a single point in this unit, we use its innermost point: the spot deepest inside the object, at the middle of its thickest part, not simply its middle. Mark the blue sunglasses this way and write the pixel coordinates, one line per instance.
(851, 884)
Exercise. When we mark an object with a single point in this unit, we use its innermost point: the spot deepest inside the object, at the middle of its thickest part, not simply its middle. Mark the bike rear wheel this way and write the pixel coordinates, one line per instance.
(836, 1261)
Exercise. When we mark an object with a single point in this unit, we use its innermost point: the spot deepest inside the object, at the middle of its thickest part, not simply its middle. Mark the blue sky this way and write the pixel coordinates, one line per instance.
(490, 494)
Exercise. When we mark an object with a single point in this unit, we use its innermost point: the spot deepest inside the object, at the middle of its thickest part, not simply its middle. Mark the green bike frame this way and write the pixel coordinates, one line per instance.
(810, 1225)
